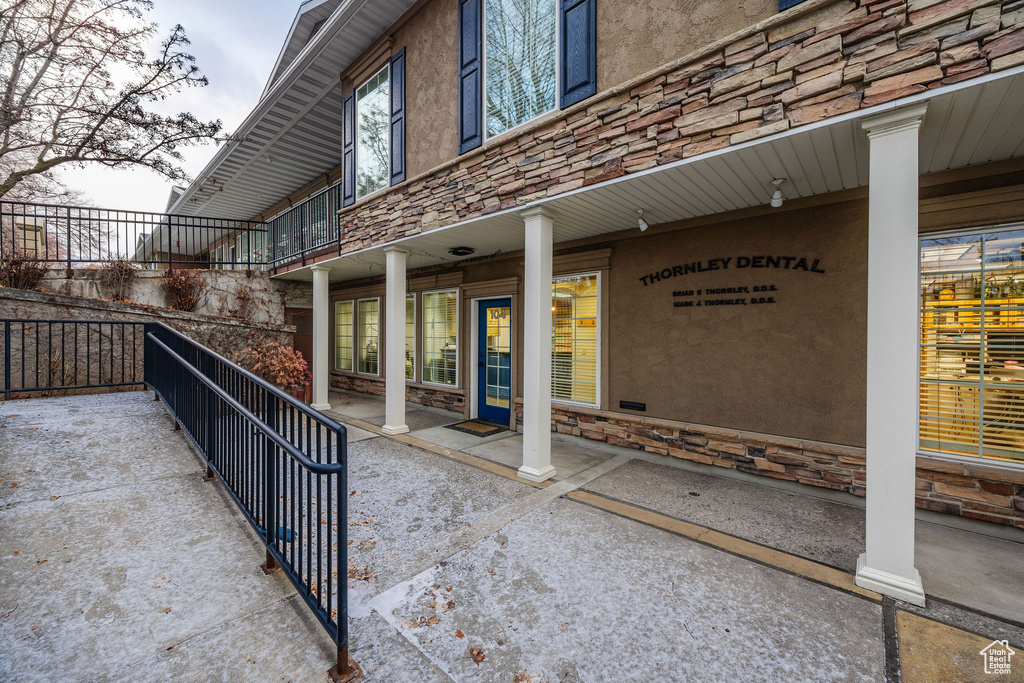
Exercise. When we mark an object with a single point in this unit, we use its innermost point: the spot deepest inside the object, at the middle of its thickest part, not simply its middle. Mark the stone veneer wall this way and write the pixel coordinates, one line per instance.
(240, 294)
(976, 491)
(821, 59)
(428, 396)
(223, 335)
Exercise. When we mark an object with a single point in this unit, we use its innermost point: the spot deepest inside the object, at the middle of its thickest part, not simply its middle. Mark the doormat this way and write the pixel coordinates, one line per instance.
(478, 427)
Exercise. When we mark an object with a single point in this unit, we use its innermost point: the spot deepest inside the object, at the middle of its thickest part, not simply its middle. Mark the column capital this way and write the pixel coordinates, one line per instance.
(895, 120)
(320, 267)
(538, 212)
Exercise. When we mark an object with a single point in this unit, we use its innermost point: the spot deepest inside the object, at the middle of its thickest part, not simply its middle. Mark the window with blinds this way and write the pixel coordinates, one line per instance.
(440, 342)
(519, 62)
(373, 132)
(343, 329)
(972, 344)
(368, 334)
(574, 338)
(410, 336)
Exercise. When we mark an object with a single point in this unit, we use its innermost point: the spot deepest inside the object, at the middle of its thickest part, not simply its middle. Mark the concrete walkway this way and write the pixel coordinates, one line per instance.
(118, 563)
(459, 571)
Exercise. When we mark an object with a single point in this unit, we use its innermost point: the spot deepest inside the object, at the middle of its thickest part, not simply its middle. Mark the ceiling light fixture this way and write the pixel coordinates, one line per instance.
(641, 222)
(777, 197)
(462, 251)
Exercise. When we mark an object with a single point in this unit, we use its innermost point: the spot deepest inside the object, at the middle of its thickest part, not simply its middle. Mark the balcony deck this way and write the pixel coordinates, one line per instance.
(117, 562)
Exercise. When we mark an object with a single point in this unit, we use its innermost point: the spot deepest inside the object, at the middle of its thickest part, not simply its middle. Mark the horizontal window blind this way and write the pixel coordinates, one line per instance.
(440, 342)
(343, 328)
(519, 61)
(972, 345)
(574, 339)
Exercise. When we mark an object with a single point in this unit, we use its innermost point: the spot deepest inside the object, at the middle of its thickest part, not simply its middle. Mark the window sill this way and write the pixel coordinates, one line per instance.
(969, 461)
(517, 130)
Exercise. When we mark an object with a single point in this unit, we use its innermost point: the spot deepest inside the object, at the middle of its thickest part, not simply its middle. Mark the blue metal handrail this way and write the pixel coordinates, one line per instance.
(62, 355)
(283, 464)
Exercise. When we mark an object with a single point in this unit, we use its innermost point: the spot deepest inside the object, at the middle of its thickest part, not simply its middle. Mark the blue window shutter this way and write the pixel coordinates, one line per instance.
(348, 151)
(786, 4)
(471, 120)
(398, 118)
(578, 26)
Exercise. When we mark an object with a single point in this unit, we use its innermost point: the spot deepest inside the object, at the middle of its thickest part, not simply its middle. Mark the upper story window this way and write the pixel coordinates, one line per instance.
(372, 133)
(373, 137)
(519, 61)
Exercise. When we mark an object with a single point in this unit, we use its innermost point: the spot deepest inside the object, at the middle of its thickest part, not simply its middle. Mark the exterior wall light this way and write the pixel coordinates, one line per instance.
(777, 197)
(461, 251)
(642, 223)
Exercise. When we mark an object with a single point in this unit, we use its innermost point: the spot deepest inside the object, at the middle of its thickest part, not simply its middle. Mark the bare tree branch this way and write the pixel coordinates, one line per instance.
(79, 88)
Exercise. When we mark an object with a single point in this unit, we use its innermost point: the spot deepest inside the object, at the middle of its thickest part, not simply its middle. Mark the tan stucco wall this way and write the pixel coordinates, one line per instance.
(632, 38)
(635, 37)
(793, 368)
(431, 46)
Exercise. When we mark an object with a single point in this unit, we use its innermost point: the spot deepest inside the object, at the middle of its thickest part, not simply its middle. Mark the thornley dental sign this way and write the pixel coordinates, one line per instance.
(735, 263)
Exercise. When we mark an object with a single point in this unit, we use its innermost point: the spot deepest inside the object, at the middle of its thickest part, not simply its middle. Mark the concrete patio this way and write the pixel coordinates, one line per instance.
(117, 562)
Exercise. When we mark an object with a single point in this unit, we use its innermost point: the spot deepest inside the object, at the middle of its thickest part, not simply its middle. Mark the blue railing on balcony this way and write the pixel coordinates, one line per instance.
(283, 463)
(79, 236)
(308, 227)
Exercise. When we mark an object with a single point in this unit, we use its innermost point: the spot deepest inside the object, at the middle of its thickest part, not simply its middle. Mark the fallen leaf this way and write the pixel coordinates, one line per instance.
(120, 569)
(160, 583)
(16, 552)
(433, 620)
(56, 497)
(360, 573)
(41, 561)
(477, 654)
(165, 609)
(459, 633)
(14, 484)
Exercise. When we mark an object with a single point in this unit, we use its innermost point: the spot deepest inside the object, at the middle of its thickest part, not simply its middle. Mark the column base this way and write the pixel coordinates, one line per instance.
(392, 431)
(534, 475)
(320, 406)
(894, 586)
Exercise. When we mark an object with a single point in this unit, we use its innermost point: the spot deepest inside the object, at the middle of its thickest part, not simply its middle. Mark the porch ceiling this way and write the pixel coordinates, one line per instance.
(293, 135)
(967, 125)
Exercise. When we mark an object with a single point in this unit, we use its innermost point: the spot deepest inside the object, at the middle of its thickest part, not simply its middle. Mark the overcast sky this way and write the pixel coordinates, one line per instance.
(235, 43)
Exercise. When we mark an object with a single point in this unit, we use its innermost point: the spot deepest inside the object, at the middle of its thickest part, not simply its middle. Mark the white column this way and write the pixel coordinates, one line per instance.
(537, 347)
(887, 566)
(394, 334)
(321, 338)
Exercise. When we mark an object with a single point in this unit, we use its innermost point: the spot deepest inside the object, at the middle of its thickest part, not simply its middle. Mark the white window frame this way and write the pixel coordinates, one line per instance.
(458, 342)
(357, 341)
(352, 346)
(979, 459)
(415, 329)
(483, 89)
(355, 132)
(598, 350)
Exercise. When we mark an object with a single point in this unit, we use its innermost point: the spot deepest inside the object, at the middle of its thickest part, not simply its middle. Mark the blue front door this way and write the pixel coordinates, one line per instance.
(494, 360)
